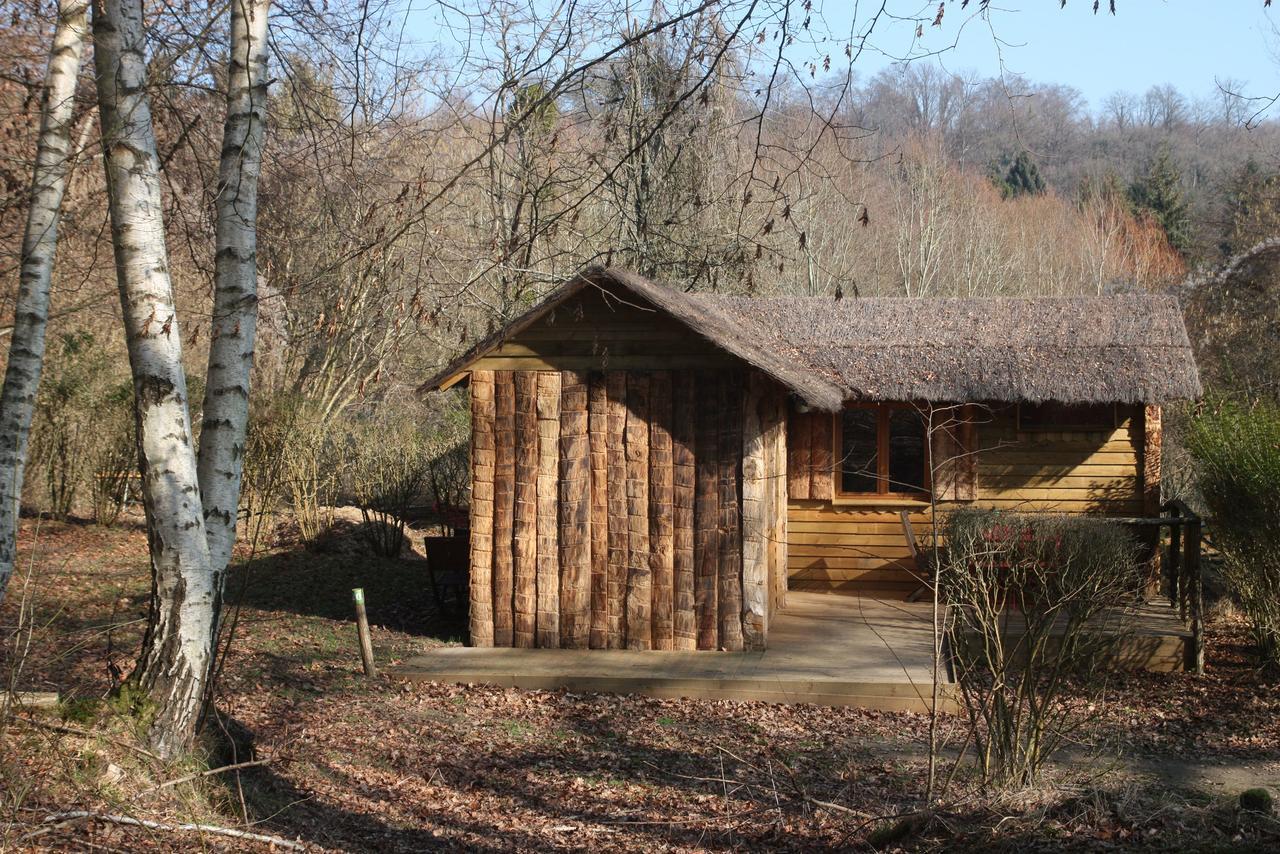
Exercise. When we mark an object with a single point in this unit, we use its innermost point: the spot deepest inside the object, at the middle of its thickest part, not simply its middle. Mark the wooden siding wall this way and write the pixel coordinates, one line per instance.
(635, 509)
(598, 332)
(857, 546)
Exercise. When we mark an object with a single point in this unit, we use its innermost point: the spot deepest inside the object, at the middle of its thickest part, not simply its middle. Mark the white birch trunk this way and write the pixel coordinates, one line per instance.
(174, 664)
(39, 242)
(235, 301)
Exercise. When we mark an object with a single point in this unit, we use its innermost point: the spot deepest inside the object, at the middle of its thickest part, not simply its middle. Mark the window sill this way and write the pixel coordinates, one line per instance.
(880, 501)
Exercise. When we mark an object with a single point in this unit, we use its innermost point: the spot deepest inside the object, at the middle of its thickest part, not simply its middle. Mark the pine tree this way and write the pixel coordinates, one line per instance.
(1158, 192)
(1023, 178)
(1252, 208)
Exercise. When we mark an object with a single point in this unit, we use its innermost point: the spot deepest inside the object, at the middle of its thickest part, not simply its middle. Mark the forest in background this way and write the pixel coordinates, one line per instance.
(408, 207)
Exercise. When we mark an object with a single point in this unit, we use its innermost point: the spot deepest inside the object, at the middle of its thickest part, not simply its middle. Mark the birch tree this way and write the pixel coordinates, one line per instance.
(176, 648)
(188, 556)
(235, 300)
(39, 242)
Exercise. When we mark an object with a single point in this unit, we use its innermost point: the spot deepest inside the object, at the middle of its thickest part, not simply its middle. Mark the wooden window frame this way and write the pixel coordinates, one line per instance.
(883, 490)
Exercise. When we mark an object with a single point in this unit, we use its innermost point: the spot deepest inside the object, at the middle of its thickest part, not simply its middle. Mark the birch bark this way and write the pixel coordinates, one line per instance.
(39, 243)
(235, 300)
(174, 663)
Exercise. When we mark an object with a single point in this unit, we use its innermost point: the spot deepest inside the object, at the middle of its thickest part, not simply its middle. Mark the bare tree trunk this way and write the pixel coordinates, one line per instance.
(235, 299)
(175, 658)
(39, 242)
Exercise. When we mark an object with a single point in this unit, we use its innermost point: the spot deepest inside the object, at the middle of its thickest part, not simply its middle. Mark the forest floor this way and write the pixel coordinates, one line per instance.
(354, 764)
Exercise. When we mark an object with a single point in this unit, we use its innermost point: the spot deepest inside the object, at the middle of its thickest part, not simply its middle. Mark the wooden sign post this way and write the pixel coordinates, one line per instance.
(362, 627)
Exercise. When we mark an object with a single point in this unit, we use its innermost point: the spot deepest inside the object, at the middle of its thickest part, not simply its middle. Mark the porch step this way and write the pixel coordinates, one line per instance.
(546, 676)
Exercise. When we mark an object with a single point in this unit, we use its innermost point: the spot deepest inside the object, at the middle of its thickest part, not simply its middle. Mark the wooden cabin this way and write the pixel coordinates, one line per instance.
(654, 469)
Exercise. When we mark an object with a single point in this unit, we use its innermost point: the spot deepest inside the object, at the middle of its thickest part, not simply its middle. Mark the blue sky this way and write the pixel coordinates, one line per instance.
(1188, 43)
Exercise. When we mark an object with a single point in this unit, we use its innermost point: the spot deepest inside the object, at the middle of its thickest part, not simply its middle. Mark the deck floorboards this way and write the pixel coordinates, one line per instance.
(834, 650)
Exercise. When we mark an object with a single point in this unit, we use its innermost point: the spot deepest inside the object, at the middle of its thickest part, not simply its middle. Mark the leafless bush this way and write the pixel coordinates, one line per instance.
(1040, 605)
(311, 470)
(390, 460)
(113, 456)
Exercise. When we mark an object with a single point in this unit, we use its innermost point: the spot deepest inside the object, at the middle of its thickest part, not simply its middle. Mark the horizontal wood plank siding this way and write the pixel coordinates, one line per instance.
(597, 332)
(861, 548)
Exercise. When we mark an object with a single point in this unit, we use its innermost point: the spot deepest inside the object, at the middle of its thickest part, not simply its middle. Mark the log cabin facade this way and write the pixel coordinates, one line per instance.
(654, 469)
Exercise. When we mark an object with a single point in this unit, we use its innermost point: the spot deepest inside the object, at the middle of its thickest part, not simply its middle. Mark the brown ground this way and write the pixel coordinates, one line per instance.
(384, 766)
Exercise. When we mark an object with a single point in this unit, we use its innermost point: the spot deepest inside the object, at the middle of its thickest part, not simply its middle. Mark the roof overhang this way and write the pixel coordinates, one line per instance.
(744, 343)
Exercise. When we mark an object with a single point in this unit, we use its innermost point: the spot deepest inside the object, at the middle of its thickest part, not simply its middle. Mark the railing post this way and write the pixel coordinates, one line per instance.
(1195, 594)
(1175, 564)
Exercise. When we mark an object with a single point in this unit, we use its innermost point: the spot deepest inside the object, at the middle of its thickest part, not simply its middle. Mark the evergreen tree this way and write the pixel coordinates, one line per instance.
(1022, 178)
(1158, 192)
(1252, 208)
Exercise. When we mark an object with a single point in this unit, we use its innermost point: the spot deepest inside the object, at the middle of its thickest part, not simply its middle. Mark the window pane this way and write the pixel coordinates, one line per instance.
(906, 451)
(858, 437)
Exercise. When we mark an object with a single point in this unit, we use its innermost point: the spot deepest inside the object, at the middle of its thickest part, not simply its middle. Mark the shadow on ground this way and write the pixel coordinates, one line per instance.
(398, 592)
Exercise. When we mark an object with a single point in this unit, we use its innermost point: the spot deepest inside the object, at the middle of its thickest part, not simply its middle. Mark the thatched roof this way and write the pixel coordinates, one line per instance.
(1108, 349)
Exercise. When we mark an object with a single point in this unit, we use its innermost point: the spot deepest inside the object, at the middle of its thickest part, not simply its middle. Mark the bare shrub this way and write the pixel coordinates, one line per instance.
(447, 431)
(311, 469)
(389, 468)
(1039, 605)
(113, 455)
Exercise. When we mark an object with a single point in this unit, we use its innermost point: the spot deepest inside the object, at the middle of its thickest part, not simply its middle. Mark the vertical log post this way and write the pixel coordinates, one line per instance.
(597, 430)
(639, 581)
(548, 593)
(1177, 591)
(661, 521)
(706, 511)
(730, 569)
(504, 481)
(821, 452)
(1152, 441)
(482, 467)
(525, 528)
(362, 631)
(575, 513)
(798, 463)
(778, 484)
(684, 621)
(1195, 596)
(616, 462)
(755, 521)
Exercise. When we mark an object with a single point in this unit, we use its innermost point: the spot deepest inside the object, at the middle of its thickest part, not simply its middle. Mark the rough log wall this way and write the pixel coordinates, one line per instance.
(730, 593)
(504, 496)
(706, 534)
(639, 617)
(482, 464)
(525, 531)
(661, 534)
(616, 454)
(755, 521)
(548, 628)
(575, 513)
(684, 623)
(626, 509)
(598, 428)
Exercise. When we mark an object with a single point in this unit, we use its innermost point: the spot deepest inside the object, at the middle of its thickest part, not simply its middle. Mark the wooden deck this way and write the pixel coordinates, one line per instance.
(823, 649)
(827, 649)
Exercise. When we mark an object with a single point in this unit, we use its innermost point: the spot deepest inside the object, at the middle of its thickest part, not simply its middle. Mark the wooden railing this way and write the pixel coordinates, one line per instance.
(1185, 585)
(1181, 570)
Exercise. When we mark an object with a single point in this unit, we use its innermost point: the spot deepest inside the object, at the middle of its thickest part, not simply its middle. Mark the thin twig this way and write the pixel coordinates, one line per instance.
(173, 828)
(253, 763)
